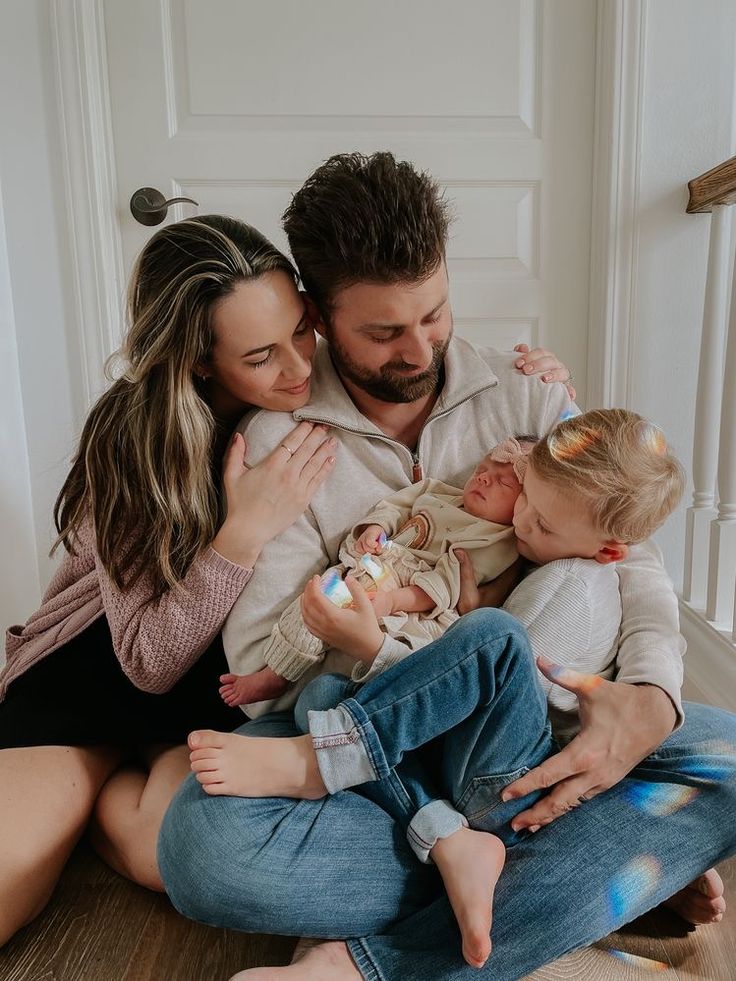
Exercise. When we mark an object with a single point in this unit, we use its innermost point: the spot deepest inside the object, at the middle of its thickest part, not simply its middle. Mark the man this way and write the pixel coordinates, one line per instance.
(407, 401)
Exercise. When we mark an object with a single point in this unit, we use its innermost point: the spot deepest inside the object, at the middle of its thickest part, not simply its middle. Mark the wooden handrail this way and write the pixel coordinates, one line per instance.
(717, 186)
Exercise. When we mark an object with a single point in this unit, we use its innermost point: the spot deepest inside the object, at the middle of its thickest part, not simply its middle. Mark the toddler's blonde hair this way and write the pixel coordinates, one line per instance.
(618, 465)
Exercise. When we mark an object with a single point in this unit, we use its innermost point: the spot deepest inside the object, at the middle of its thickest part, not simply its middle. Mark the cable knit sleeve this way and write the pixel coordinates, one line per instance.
(157, 639)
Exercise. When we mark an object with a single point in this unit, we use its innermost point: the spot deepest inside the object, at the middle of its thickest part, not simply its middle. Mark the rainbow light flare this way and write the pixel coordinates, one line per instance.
(564, 676)
(384, 542)
(569, 414)
(566, 446)
(658, 799)
(378, 572)
(335, 589)
(654, 437)
(642, 963)
(631, 886)
(712, 769)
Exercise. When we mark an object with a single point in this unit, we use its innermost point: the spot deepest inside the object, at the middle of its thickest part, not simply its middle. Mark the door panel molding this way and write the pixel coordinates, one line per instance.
(620, 56)
(88, 166)
(78, 31)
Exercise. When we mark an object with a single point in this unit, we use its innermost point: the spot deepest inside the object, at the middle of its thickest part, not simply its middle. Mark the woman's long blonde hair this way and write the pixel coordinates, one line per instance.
(144, 470)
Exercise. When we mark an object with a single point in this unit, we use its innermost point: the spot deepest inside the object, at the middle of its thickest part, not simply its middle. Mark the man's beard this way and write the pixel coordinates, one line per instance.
(386, 385)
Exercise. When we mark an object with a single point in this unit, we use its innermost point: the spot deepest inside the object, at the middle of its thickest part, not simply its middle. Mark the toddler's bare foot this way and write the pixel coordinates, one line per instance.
(470, 863)
(247, 766)
(702, 901)
(327, 962)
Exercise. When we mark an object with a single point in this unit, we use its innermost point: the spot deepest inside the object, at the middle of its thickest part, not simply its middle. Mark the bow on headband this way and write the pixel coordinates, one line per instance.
(515, 452)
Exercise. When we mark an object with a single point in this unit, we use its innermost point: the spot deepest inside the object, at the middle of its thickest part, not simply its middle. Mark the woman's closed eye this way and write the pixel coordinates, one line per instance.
(264, 361)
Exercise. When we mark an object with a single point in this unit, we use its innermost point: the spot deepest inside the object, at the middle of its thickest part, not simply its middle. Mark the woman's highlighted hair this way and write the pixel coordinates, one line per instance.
(144, 473)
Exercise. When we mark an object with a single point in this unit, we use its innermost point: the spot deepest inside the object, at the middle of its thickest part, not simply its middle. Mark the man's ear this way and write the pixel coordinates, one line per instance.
(611, 552)
(313, 315)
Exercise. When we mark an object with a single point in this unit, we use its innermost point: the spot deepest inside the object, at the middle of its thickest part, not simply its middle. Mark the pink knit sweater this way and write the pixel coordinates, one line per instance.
(156, 640)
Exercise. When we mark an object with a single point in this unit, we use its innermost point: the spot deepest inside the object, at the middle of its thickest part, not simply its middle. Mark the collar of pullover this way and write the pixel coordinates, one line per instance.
(466, 375)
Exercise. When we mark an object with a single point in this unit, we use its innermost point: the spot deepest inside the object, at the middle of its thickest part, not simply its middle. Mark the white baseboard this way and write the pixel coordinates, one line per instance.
(710, 662)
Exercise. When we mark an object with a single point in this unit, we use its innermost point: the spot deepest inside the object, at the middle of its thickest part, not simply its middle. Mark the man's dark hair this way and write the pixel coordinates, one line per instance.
(365, 218)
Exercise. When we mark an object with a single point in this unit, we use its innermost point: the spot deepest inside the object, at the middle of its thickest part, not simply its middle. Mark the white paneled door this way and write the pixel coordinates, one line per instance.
(234, 102)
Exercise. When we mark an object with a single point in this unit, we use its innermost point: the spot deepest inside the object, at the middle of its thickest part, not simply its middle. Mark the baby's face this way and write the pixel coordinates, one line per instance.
(492, 491)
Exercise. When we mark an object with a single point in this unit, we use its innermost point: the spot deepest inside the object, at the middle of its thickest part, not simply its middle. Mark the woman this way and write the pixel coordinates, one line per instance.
(125, 653)
(123, 658)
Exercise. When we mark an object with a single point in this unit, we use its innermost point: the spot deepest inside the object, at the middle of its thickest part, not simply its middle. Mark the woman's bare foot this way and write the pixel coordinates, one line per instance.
(702, 901)
(470, 863)
(247, 766)
(327, 962)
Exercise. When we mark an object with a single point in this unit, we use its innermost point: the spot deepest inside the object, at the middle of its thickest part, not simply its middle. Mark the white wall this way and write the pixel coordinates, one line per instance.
(687, 128)
(39, 384)
(19, 580)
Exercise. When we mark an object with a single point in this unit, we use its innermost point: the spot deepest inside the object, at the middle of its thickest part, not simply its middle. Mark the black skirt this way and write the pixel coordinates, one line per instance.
(79, 696)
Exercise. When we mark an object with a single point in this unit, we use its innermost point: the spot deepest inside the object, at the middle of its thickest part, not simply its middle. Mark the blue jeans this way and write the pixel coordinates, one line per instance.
(301, 868)
(465, 697)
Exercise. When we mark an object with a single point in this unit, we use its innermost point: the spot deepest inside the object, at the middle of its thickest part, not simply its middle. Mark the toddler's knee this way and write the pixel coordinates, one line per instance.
(488, 622)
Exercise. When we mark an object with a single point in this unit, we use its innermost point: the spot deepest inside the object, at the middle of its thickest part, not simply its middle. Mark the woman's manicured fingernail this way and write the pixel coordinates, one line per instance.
(546, 378)
(520, 363)
(534, 828)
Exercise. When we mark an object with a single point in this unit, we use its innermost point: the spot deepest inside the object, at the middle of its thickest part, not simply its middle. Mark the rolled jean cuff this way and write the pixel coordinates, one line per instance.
(342, 755)
(435, 820)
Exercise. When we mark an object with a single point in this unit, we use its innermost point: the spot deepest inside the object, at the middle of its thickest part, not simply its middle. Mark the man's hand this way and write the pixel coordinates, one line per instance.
(539, 361)
(492, 593)
(621, 724)
(245, 689)
(353, 630)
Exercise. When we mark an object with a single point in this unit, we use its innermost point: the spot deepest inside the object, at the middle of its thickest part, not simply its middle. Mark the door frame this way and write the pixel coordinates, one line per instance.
(78, 32)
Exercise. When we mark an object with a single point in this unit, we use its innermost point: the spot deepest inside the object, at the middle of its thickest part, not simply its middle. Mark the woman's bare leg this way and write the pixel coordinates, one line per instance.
(129, 811)
(46, 797)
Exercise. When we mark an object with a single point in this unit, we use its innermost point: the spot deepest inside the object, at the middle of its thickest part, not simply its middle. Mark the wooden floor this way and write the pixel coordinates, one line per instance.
(99, 927)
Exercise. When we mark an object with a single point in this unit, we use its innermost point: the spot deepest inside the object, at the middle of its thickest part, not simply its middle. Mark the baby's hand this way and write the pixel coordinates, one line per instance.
(382, 603)
(244, 689)
(369, 541)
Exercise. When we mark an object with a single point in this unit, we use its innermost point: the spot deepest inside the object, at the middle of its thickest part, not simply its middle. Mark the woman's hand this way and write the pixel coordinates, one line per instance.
(621, 725)
(539, 361)
(264, 500)
(353, 630)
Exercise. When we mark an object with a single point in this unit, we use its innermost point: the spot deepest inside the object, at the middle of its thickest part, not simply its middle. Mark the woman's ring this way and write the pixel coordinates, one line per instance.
(290, 452)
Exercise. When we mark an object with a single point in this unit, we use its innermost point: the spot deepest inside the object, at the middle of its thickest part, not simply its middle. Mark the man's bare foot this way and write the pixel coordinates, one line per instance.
(470, 863)
(247, 766)
(327, 962)
(702, 901)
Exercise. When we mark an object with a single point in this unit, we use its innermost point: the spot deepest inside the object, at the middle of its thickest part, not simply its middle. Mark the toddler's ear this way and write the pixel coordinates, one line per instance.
(611, 552)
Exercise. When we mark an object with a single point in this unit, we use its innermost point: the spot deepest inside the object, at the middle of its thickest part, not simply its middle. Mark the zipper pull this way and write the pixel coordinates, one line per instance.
(417, 473)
